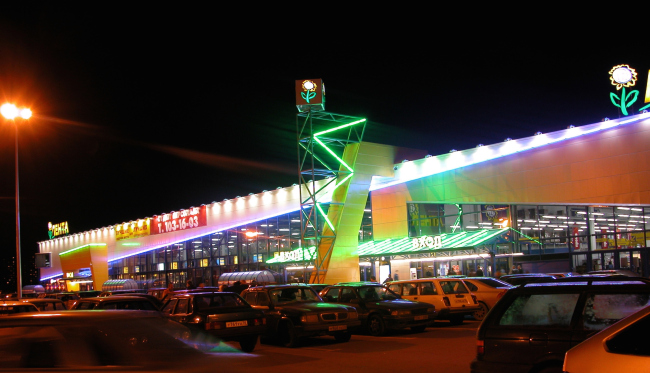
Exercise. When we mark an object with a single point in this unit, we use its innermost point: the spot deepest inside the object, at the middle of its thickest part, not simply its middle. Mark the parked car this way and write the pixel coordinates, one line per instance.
(226, 316)
(115, 341)
(46, 304)
(488, 291)
(116, 302)
(615, 272)
(533, 325)
(152, 298)
(11, 307)
(622, 346)
(68, 298)
(451, 298)
(379, 308)
(295, 311)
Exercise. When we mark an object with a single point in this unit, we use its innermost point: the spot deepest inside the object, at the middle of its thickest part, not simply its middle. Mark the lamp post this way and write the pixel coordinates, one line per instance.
(11, 112)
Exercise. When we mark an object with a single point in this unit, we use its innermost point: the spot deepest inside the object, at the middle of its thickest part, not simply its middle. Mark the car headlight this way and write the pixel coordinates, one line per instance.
(197, 319)
(309, 318)
(400, 312)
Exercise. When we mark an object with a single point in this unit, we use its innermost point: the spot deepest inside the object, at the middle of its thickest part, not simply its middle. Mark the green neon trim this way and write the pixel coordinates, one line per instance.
(340, 127)
(529, 237)
(327, 220)
(457, 223)
(131, 244)
(81, 247)
(645, 107)
(316, 156)
(333, 154)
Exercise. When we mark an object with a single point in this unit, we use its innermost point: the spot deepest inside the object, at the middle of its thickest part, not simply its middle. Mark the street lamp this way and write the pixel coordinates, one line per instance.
(11, 112)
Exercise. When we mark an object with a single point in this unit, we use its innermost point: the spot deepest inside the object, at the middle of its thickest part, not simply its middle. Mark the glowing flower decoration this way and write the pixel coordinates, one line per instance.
(622, 76)
(308, 85)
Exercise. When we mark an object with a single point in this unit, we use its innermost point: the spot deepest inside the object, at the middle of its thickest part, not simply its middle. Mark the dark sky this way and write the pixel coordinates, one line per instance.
(144, 110)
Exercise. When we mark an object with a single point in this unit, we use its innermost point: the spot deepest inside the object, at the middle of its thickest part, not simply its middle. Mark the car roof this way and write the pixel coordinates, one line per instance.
(12, 303)
(121, 298)
(358, 283)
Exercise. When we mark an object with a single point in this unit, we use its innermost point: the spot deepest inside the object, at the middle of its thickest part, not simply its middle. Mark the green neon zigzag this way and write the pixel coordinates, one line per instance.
(329, 223)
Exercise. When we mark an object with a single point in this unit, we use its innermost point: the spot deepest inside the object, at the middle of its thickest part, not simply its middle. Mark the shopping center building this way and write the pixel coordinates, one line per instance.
(572, 200)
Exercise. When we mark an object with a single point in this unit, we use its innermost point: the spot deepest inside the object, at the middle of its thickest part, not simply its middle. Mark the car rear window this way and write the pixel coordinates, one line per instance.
(540, 310)
(219, 300)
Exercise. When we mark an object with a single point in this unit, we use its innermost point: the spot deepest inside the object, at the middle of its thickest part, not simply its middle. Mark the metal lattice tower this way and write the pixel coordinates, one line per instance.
(323, 139)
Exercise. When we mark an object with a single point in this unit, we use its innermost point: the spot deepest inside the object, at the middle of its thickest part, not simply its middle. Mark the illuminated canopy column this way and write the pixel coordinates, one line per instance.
(94, 256)
(367, 160)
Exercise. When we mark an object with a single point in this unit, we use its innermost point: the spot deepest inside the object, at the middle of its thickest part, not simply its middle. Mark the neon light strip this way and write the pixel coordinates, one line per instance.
(325, 216)
(333, 154)
(340, 127)
(81, 247)
(447, 162)
(530, 238)
(53, 276)
(328, 195)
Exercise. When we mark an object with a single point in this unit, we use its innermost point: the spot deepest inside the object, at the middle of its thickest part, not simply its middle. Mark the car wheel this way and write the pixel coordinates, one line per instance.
(480, 314)
(287, 335)
(456, 319)
(376, 325)
(247, 344)
(418, 329)
(343, 337)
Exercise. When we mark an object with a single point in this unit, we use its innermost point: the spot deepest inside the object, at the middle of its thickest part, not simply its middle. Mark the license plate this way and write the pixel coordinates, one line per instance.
(234, 324)
(423, 317)
(463, 300)
(338, 327)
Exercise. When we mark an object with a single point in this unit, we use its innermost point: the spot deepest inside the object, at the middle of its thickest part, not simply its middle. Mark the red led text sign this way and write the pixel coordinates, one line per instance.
(179, 220)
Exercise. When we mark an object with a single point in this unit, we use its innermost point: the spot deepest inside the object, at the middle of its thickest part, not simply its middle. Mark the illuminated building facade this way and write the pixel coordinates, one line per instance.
(572, 200)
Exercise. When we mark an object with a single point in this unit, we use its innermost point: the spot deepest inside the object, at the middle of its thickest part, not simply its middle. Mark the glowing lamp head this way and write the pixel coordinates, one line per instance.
(9, 111)
(251, 234)
(25, 113)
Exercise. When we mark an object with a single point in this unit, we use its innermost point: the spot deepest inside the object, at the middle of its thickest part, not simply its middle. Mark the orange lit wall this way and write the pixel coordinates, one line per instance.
(610, 168)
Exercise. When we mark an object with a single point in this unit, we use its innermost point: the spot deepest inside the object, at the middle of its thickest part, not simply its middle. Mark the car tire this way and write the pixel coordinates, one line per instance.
(418, 329)
(376, 325)
(480, 314)
(343, 337)
(456, 319)
(287, 335)
(247, 344)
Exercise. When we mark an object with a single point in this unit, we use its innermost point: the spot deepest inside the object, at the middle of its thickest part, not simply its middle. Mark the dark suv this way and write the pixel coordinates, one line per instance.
(116, 302)
(532, 327)
(294, 311)
(223, 315)
(379, 308)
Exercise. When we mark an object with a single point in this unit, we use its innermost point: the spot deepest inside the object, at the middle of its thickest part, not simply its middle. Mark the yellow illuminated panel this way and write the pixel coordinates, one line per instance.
(204, 262)
(174, 265)
(647, 89)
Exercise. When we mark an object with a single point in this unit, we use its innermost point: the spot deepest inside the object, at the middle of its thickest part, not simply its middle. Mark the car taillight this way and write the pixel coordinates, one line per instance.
(480, 347)
(474, 299)
(447, 302)
(215, 325)
(258, 322)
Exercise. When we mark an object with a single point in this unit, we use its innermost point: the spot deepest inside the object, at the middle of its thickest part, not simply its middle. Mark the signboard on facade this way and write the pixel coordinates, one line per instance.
(297, 255)
(132, 229)
(179, 220)
(55, 230)
(431, 242)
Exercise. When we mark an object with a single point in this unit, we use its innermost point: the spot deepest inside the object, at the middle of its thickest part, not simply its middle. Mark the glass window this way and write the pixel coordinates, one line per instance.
(427, 288)
(397, 288)
(540, 309)
(183, 305)
(602, 310)
(332, 295)
(633, 340)
(347, 294)
(453, 287)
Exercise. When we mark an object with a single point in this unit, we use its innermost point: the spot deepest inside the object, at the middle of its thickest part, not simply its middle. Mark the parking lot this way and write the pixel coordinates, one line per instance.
(443, 347)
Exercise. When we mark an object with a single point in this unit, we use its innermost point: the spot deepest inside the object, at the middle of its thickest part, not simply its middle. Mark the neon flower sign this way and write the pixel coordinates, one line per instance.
(623, 76)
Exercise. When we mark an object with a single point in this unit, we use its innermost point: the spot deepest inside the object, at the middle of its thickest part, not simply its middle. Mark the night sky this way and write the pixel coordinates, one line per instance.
(145, 110)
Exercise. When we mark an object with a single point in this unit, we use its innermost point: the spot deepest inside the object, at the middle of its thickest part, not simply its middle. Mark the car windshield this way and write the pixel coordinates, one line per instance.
(294, 294)
(376, 293)
(453, 287)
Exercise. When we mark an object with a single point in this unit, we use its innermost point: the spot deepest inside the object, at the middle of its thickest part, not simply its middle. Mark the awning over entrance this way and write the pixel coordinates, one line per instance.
(441, 242)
